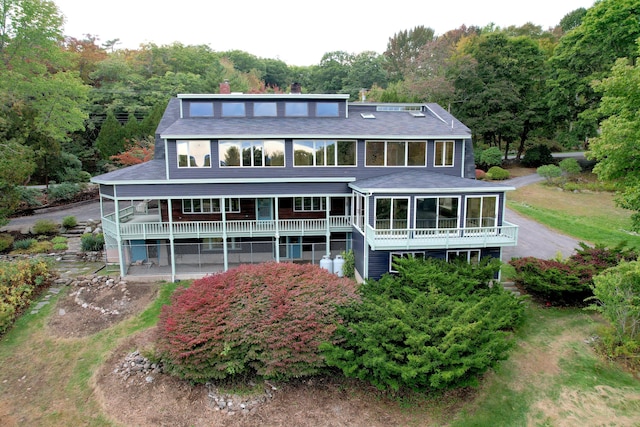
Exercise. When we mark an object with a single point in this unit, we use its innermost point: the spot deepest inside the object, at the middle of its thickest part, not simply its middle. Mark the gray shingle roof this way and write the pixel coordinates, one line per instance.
(386, 124)
(420, 181)
(153, 170)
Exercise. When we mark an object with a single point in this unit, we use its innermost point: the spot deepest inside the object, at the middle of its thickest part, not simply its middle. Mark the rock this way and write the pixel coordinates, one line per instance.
(61, 312)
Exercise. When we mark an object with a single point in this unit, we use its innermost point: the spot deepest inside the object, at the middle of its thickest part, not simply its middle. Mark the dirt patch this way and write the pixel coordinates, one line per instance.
(318, 401)
(90, 306)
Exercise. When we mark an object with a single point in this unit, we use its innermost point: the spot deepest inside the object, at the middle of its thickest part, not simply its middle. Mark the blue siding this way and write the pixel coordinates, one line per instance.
(358, 247)
(379, 260)
(138, 191)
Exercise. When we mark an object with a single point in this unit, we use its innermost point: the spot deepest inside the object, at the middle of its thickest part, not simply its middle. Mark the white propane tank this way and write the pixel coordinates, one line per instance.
(326, 263)
(337, 265)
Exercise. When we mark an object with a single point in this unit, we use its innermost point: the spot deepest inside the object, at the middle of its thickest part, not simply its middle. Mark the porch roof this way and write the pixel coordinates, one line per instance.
(419, 181)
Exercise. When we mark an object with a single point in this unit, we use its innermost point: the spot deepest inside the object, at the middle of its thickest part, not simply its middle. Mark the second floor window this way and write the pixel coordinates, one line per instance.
(443, 155)
(251, 153)
(324, 153)
(194, 154)
(396, 153)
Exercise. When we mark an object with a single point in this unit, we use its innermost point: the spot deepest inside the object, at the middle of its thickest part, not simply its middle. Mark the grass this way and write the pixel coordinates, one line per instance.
(592, 217)
(552, 376)
(47, 380)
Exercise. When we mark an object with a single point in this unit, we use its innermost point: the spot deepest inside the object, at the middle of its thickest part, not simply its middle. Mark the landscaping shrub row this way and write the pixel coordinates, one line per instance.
(435, 325)
(570, 281)
(20, 282)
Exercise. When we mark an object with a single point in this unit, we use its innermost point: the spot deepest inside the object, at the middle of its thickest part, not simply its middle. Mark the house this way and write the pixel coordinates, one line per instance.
(240, 178)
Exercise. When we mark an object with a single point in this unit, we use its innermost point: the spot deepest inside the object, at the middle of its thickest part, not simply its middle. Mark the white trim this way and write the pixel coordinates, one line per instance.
(213, 96)
(314, 135)
(430, 190)
(263, 180)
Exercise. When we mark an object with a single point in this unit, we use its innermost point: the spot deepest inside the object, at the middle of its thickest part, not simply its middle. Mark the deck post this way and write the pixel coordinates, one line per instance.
(328, 225)
(277, 234)
(225, 249)
(171, 240)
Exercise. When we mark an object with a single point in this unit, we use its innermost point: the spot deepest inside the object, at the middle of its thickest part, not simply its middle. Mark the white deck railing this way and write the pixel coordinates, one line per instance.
(424, 238)
(248, 228)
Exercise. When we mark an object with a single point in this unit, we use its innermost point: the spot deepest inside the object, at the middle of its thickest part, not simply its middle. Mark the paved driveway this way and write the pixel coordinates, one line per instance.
(535, 239)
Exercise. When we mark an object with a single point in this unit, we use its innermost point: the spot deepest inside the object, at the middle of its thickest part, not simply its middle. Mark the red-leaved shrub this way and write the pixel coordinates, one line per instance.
(480, 174)
(267, 319)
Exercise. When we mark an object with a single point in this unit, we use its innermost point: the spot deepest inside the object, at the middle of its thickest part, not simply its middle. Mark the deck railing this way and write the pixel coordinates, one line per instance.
(248, 228)
(423, 238)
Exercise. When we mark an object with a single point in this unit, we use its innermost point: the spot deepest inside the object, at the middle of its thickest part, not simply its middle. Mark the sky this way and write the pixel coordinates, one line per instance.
(296, 32)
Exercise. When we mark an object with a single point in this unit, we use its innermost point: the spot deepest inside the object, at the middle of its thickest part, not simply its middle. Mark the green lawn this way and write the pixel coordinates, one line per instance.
(591, 217)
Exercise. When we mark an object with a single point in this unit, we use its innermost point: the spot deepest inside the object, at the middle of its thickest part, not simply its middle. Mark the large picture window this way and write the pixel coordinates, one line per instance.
(437, 212)
(443, 155)
(327, 109)
(396, 153)
(194, 154)
(251, 153)
(392, 213)
(324, 153)
(482, 211)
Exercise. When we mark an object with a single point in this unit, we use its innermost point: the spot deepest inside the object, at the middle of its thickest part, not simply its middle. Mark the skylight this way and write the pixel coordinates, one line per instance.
(367, 116)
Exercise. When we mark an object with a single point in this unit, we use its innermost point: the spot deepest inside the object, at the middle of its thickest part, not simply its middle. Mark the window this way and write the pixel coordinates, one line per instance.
(201, 109)
(396, 153)
(482, 211)
(194, 154)
(265, 109)
(471, 256)
(215, 243)
(327, 109)
(395, 255)
(304, 204)
(443, 155)
(392, 213)
(251, 153)
(233, 109)
(201, 206)
(324, 153)
(437, 212)
(296, 109)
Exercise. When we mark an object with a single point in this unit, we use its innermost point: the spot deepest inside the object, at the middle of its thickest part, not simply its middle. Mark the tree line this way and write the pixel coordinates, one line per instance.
(72, 104)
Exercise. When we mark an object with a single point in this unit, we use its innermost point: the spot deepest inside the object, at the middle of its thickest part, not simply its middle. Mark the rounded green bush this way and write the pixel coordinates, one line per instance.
(45, 226)
(6, 242)
(69, 221)
(497, 173)
(266, 319)
(90, 242)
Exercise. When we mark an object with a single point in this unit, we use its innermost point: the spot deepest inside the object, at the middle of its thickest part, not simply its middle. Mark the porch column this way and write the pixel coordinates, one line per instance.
(225, 250)
(366, 245)
(171, 240)
(328, 227)
(123, 272)
(277, 235)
